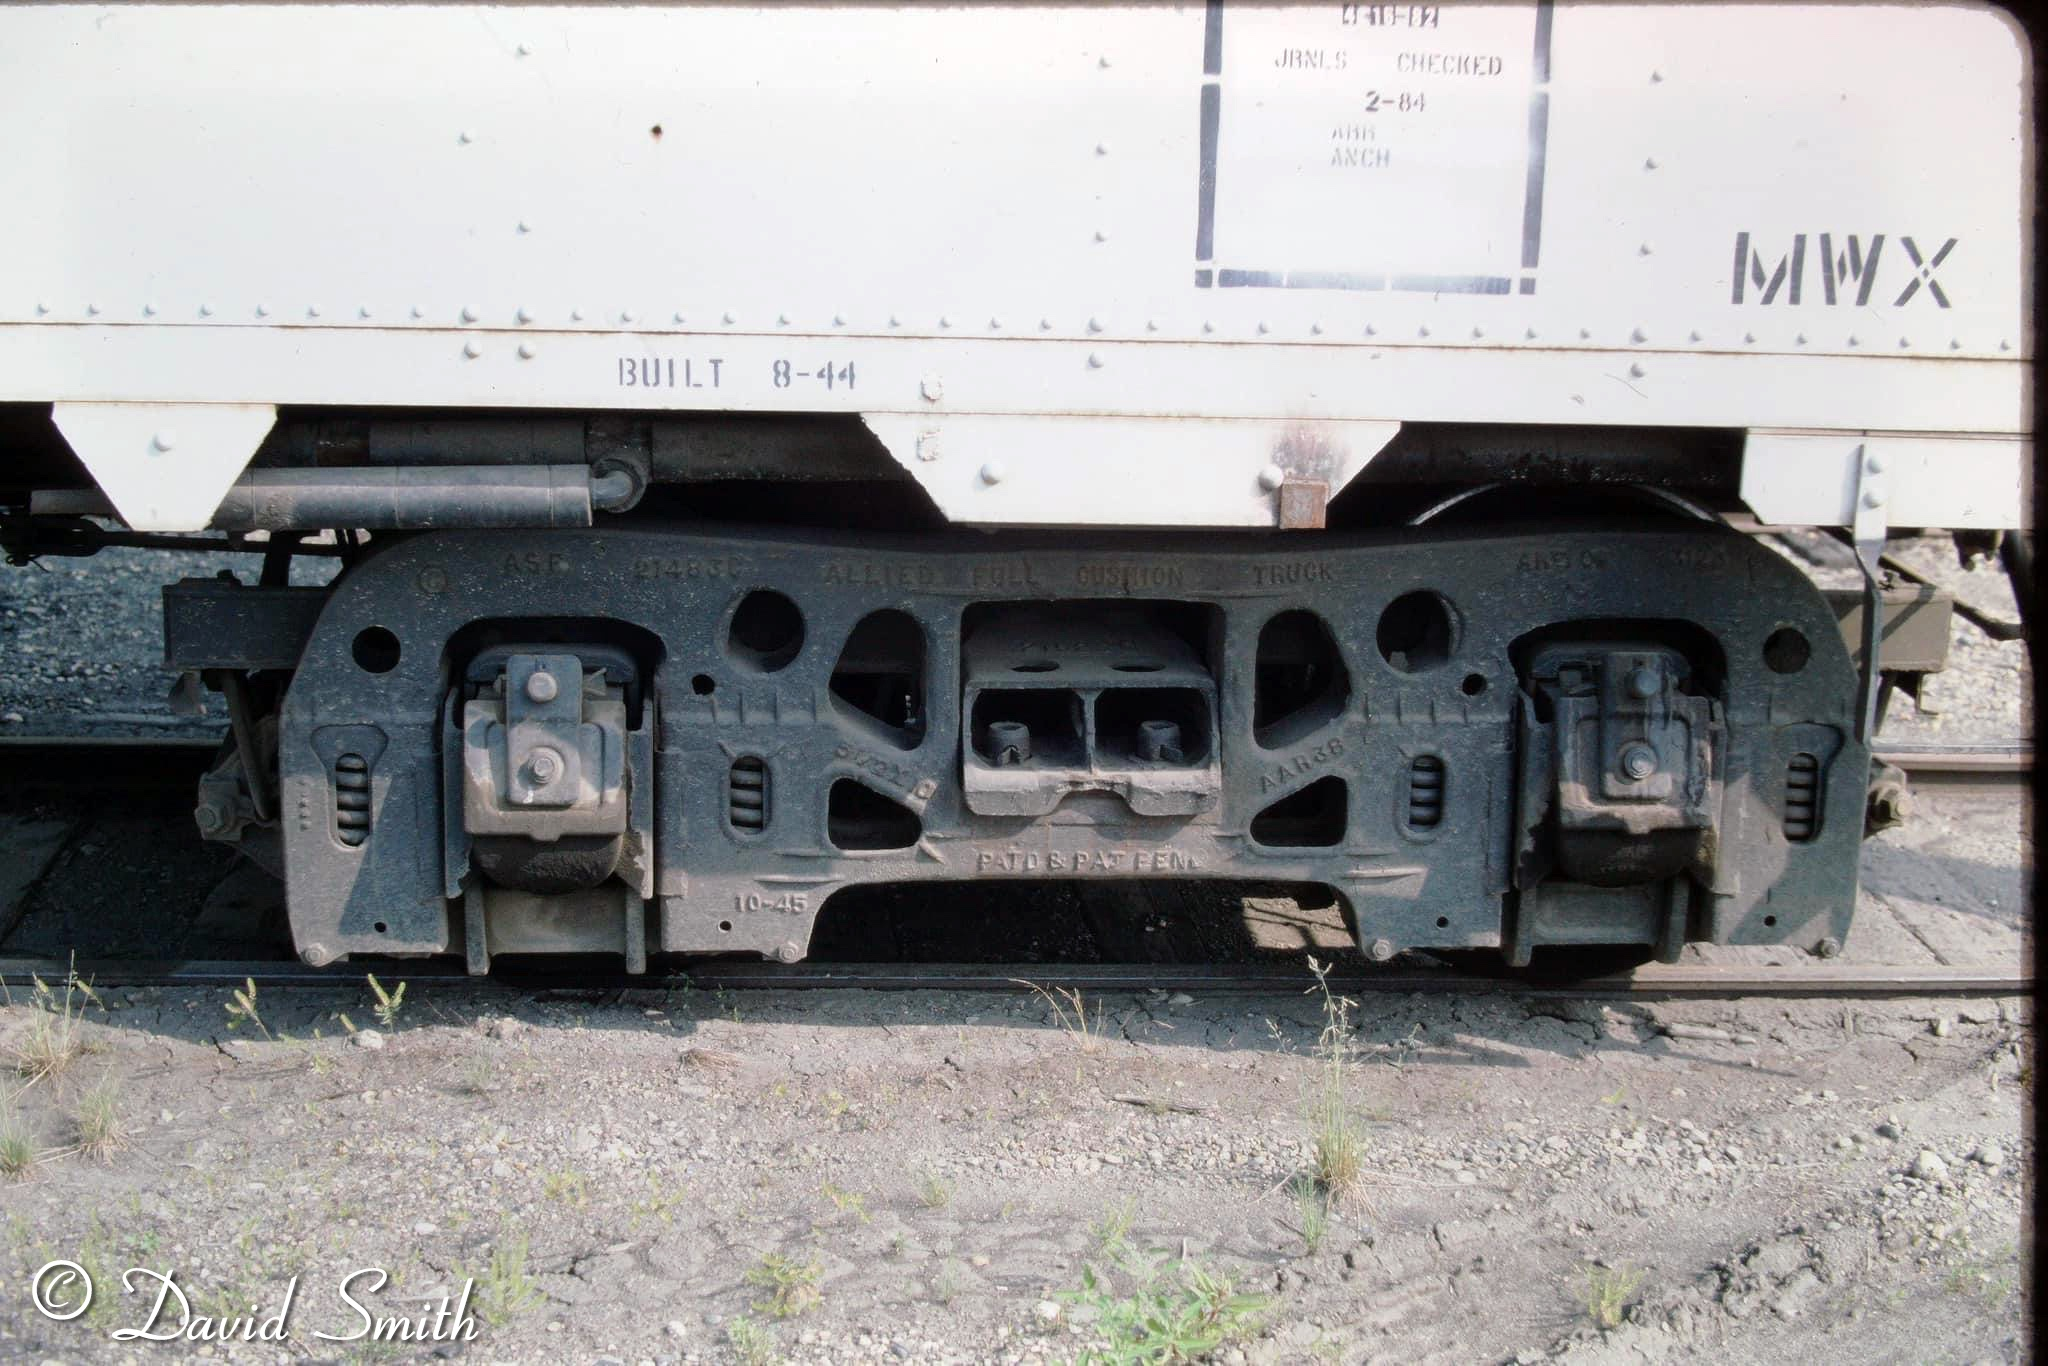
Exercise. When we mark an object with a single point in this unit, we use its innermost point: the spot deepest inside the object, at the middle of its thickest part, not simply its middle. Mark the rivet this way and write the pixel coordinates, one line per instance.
(1095, 324)
(2004, 345)
(1874, 497)
(575, 315)
(1530, 334)
(1800, 339)
(262, 310)
(1101, 236)
(1955, 344)
(1263, 329)
(626, 315)
(1422, 331)
(472, 349)
(895, 321)
(930, 387)
(1693, 335)
(164, 440)
(1635, 372)
(1643, 250)
(679, 316)
(312, 310)
(1045, 324)
(42, 306)
(1102, 149)
(995, 324)
(524, 49)
(1655, 77)
(1852, 341)
(1904, 343)
(464, 136)
(945, 320)
(1749, 337)
(468, 314)
(928, 447)
(1585, 334)
(1104, 62)
(1315, 329)
(524, 314)
(782, 320)
(1272, 477)
(149, 310)
(1208, 326)
(1371, 331)
(992, 472)
(1638, 336)
(1478, 333)
(523, 226)
(729, 320)
(1874, 464)
(205, 310)
(1152, 325)
(1650, 164)
(363, 311)
(1094, 360)
(526, 350)
(838, 320)
(418, 312)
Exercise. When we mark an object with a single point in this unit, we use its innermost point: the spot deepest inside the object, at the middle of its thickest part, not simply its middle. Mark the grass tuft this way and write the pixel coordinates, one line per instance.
(18, 1151)
(753, 1343)
(102, 1128)
(792, 1286)
(1605, 1291)
(504, 1289)
(52, 1041)
(1070, 1013)
(1334, 1130)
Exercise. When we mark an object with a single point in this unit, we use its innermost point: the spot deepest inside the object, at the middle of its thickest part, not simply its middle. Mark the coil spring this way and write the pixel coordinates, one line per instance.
(747, 793)
(1425, 792)
(352, 799)
(1802, 798)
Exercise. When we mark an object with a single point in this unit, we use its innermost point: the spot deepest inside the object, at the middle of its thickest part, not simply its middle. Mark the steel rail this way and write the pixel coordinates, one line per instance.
(1802, 979)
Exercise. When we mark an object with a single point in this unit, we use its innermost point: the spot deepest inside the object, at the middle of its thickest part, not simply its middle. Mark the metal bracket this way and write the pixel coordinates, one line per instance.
(1867, 535)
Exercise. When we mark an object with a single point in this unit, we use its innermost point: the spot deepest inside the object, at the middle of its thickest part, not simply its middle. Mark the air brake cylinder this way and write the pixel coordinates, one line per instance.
(544, 758)
(1620, 780)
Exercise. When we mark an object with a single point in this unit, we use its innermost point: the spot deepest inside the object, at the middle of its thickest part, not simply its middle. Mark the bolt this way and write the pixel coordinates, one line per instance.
(541, 686)
(1159, 742)
(992, 472)
(1644, 682)
(544, 767)
(787, 953)
(316, 955)
(1638, 762)
(1828, 947)
(1011, 741)
(1381, 950)
(212, 820)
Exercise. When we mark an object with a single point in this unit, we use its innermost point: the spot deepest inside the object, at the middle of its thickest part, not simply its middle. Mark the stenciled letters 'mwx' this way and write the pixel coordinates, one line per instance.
(1851, 267)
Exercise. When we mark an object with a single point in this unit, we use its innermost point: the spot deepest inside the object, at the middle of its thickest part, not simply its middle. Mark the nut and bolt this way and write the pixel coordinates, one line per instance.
(1644, 682)
(211, 818)
(1828, 947)
(541, 686)
(1159, 742)
(1381, 950)
(543, 767)
(1010, 741)
(1638, 762)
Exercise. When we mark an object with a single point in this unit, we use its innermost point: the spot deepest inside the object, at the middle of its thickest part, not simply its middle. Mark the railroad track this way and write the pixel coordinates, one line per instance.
(1798, 979)
(102, 763)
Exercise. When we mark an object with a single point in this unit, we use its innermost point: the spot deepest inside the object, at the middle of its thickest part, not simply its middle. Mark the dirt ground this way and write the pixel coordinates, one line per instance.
(654, 1177)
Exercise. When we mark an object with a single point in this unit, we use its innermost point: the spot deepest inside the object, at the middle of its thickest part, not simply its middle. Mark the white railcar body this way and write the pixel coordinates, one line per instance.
(1072, 264)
